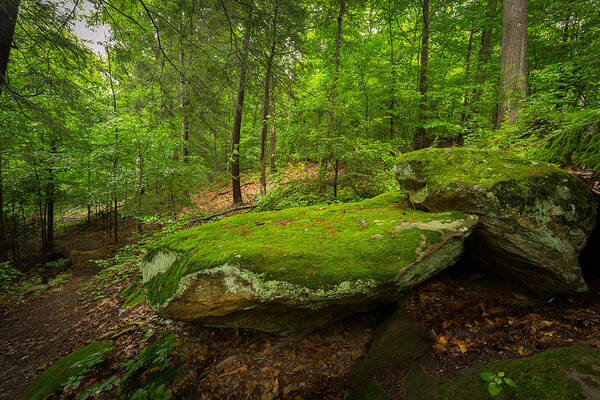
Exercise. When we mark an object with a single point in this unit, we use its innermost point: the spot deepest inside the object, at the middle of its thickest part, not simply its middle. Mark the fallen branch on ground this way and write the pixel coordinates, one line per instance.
(234, 209)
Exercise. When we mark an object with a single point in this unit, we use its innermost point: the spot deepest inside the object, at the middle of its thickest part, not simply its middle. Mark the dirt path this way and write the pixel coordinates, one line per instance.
(39, 330)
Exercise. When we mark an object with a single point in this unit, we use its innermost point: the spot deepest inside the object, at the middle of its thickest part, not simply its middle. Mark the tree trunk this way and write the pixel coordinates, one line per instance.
(421, 141)
(484, 52)
(513, 60)
(336, 73)
(273, 136)
(3, 252)
(50, 207)
(266, 101)
(467, 68)
(237, 118)
(392, 64)
(116, 160)
(184, 106)
(8, 19)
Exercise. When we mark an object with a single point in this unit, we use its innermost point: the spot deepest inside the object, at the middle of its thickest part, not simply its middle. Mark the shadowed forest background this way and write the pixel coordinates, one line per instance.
(191, 110)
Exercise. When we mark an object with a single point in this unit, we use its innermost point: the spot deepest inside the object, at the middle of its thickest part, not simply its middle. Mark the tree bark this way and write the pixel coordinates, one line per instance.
(484, 52)
(273, 136)
(8, 19)
(421, 141)
(3, 252)
(184, 107)
(266, 101)
(237, 118)
(467, 69)
(393, 66)
(336, 73)
(513, 60)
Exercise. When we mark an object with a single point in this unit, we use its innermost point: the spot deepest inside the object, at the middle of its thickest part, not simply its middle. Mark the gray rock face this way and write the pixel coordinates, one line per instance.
(534, 219)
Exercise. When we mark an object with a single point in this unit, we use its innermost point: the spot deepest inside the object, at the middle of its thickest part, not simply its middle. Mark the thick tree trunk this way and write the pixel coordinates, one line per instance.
(421, 141)
(266, 101)
(336, 73)
(8, 19)
(237, 117)
(484, 52)
(513, 60)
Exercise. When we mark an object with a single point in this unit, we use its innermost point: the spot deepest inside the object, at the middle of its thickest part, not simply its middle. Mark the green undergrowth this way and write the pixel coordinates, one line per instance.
(145, 377)
(568, 373)
(556, 136)
(68, 371)
(316, 247)
(16, 285)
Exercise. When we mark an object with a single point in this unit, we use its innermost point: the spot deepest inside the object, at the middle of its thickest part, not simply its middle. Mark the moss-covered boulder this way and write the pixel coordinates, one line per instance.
(291, 270)
(567, 373)
(68, 371)
(534, 218)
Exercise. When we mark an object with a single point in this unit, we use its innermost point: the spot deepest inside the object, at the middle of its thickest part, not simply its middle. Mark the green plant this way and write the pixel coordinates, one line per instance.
(8, 274)
(496, 382)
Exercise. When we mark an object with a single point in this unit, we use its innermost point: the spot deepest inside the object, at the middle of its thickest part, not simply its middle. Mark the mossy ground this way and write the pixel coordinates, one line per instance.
(315, 247)
(567, 373)
(75, 364)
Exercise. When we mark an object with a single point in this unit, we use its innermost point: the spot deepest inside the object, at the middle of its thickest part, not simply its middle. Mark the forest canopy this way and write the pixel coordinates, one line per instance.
(184, 93)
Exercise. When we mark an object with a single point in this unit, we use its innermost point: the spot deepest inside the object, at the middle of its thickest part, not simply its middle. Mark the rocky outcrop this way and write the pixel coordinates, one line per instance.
(564, 373)
(534, 219)
(296, 269)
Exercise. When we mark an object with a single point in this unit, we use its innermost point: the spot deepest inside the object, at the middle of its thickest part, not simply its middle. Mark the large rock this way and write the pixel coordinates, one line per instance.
(567, 373)
(534, 218)
(291, 270)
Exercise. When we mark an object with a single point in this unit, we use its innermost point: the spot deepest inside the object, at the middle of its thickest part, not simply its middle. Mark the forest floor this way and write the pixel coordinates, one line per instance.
(472, 317)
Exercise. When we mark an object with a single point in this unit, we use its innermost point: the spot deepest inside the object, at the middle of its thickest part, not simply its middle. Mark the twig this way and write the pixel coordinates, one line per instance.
(234, 209)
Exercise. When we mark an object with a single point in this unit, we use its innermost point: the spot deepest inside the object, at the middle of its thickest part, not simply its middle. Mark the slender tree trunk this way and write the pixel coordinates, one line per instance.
(484, 52)
(50, 206)
(8, 19)
(273, 136)
(513, 60)
(184, 107)
(116, 160)
(237, 118)
(3, 252)
(139, 167)
(467, 69)
(421, 141)
(393, 66)
(333, 91)
(266, 101)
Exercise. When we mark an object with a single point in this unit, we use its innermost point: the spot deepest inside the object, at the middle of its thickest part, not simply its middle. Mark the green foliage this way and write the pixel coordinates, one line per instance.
(8, 274)
(60, 263)
(496, 382)
(68, 371)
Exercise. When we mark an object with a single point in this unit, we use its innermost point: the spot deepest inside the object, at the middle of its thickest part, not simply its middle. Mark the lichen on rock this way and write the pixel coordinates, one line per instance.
(284, 271)
(534, 218)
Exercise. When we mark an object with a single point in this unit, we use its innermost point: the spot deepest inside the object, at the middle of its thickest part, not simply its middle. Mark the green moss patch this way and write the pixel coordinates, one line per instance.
(568, 373)
(315, 247)
(467, 167)
(68, 371)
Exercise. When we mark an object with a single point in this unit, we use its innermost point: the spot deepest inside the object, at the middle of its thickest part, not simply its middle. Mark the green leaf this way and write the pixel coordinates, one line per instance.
(494, 389)
(487, 376)
(500, 374)
(510, 382)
